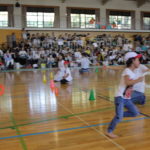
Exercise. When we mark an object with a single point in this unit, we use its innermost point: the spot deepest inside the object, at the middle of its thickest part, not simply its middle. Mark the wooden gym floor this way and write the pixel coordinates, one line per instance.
(32, 118)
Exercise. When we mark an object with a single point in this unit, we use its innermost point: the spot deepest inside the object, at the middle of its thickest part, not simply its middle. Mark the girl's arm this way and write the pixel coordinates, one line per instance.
(148, 70)
(114, 67)
(130, 82)
(66, 75)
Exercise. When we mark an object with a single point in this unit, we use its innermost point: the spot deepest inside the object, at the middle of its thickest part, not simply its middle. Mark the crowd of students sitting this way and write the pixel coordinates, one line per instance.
(43, 50)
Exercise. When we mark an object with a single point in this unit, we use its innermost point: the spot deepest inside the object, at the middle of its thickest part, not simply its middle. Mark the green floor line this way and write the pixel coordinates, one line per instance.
(1, 123)
(22, 142)
(60, 117)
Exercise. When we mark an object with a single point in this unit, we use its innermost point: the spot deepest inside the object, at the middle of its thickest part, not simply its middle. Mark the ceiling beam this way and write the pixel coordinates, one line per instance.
(141, 3)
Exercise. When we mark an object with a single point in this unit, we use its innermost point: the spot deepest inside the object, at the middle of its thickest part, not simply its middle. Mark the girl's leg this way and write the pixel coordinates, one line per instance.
(132, 109)
(119, 103)
(138, 98)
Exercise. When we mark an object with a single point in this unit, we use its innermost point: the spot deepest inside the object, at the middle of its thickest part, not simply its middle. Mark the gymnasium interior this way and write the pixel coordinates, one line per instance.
(61, 62)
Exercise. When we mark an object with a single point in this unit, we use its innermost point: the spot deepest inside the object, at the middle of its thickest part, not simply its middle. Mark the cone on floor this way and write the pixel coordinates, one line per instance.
(56, 91)
(96, 70)
(52, 85)
(44, 78)
(92, 95)
(51, 76)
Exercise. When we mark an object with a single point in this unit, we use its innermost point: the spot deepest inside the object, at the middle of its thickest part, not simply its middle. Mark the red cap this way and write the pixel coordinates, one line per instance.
(132, 55)
(66, 62)
(138, 56)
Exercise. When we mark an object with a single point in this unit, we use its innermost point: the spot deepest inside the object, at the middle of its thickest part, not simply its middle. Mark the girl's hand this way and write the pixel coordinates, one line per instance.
(140, 79)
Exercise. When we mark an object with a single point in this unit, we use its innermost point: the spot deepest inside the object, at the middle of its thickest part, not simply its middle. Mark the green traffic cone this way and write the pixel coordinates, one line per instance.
(92, 96)
(96, 70)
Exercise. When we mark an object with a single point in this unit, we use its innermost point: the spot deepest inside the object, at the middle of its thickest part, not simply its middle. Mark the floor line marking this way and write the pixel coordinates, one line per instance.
(22, 142)
(99, 132)
(59, 117)
(69, 129)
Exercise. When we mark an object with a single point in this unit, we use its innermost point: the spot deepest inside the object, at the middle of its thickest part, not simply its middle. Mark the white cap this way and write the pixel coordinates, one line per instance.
(132, 55)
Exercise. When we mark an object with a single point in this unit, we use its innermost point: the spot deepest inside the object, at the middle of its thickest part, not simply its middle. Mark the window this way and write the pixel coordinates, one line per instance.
(120, 20)
(40, 17)
(3, 19)
(82, 21)
(3, 16)
(82, 18)
(146, 21)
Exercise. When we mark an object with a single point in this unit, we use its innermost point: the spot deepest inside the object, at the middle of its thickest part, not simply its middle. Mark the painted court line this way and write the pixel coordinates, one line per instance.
(99, 132)
(21, 139)
(68, 129)
(56, 118)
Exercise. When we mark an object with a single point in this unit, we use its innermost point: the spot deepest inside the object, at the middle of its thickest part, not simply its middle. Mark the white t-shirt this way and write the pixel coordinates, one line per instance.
(36, 56)
(36, 42)
(80, 42)
(1, 53)
(42, 52)
(85, 62)
(120, 59)
(67, 71)
(60, 42)
(140, 87)
(95, 45)
(22, 53)
(77, 55)
(119, 41)
(24, 35)
(64, 51)
(122, 86)
(61, 65)
(126, 47)
(50, 41)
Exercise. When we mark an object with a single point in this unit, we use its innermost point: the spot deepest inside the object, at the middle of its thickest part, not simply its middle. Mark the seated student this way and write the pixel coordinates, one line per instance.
(85, 63)
(23, 56)
(66, 74)
(1, 53)
(77, 55)
(50, 61)
(9, 61)
(59, 74)
(88, 51)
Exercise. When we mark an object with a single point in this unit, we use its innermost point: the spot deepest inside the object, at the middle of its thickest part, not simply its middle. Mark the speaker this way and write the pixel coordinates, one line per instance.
(17, 4)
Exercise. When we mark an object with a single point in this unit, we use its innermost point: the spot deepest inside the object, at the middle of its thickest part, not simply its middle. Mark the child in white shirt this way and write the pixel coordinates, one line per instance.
(59, 74)
(66, 74)
(123, 95)
(85, 63)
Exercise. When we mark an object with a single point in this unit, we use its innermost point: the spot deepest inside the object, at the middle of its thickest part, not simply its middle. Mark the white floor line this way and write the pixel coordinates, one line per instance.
(116, 144)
